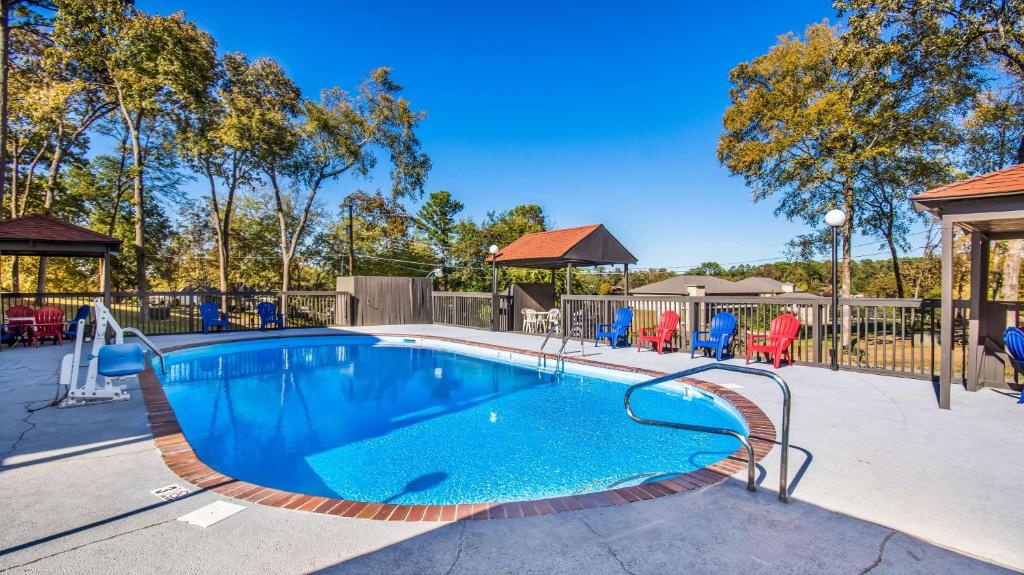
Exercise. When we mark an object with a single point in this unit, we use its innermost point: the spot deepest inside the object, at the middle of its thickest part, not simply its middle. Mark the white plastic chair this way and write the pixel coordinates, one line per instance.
(531, 321)
(554, 319)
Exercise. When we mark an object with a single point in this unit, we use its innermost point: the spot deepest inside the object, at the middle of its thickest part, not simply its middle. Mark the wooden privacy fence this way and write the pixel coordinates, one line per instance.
(898, 336)
(471, 309)
(178, 312)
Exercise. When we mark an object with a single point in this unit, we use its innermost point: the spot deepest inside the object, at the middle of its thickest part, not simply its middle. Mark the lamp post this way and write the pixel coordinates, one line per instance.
(835, 220)
(494, 286)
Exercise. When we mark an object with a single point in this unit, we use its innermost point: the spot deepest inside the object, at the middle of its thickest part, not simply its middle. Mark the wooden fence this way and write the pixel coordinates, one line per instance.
(471, 309)
(178, 312)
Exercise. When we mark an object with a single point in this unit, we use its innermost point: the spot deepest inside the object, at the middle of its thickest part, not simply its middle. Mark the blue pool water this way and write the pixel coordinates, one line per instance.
(370, 420)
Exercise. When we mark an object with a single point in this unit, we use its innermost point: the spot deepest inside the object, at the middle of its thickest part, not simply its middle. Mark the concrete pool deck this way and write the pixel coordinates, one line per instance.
(881, 481)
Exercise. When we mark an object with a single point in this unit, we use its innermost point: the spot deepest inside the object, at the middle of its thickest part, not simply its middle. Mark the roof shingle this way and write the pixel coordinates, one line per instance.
(1005, 181)
(40, 228)
(544, 245)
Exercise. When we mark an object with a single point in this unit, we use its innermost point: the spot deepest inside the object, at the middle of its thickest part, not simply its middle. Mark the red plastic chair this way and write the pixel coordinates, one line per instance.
(659, 336)
(20, 329)
(49, 323)
(776, 342)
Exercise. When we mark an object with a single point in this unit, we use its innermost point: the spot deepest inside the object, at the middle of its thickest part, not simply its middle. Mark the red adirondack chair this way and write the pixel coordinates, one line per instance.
(49, 323)
(20, 330)
(776, 342)
(659, 336)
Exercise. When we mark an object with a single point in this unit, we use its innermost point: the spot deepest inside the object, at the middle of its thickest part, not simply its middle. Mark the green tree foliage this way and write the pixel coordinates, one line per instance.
(342, 134)
(249, 103)
(149, 65)
(824, 118)
(436, 221)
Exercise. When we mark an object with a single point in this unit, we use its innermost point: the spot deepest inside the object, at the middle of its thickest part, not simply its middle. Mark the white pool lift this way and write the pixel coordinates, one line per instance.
(115, 362)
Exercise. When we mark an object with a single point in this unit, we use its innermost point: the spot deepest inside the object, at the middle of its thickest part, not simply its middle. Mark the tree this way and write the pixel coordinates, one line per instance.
(706, 269)
(810, 119)
(437, 220)
(250, 101)
(13, 14)
(341, 134)
(149, 65)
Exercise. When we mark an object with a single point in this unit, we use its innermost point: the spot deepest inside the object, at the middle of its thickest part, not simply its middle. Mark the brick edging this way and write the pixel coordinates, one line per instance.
(179, 457)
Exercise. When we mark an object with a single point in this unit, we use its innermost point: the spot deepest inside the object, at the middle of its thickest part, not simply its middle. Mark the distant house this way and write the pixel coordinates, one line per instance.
(716, 286)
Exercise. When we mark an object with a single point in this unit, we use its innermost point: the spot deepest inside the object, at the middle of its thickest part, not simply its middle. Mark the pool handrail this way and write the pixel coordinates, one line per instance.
(152, 346)
(786, 402)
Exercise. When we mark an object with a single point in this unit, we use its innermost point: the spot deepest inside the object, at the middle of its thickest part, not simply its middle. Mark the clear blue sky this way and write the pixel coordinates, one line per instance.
(602, 112)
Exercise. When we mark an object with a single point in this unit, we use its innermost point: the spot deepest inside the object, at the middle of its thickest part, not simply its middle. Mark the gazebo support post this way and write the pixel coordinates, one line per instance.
(106, 278)
(976, 328)
(568, 279)
(625, 279)
(946, 315)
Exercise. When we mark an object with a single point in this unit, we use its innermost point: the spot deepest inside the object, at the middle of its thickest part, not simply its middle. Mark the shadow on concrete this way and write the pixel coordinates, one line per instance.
(719, 529)
(106, 520)
(140, 439)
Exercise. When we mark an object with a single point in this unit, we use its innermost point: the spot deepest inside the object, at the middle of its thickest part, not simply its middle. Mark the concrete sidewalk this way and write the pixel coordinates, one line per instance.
(882, 481)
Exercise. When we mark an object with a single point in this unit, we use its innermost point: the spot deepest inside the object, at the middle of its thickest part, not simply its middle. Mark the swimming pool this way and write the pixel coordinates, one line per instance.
(422, 422)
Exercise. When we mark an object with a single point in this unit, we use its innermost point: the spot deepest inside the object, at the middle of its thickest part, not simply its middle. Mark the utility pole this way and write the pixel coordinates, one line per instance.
(351, 248)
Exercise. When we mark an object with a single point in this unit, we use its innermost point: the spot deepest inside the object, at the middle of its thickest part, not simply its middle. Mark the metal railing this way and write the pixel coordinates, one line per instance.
(149, 343)
(178, 312)
(471, 309)
(751, 462)
(880, 335)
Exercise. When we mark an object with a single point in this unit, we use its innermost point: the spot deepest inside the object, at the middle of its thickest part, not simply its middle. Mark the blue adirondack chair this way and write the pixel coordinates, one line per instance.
(212, 317)
(267, 311)
(1013, 337)
(72, 331)
(617, 330)
(718, 337)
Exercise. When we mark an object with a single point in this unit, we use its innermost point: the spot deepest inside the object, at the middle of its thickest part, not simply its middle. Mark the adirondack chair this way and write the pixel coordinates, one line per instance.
(1014, 339)
(20, 330)
(82, 314)
(212, 317)
(776, 342)
(267, 311)
(49, 324)
(659, 336)
(617, 330)
(717, 337)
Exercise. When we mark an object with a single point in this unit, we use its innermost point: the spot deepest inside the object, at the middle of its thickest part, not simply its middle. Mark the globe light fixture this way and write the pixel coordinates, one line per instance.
(835, 218)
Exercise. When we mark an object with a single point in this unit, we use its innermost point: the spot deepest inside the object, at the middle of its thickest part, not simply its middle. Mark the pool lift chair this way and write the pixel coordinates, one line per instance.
(115, 362)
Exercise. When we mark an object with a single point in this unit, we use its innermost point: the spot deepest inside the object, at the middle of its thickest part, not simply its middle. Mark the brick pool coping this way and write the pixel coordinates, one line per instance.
(179, 457)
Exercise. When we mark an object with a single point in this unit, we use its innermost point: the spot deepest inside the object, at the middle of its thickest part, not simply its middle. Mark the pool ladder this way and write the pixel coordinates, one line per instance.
(576, 329)
(751, 463)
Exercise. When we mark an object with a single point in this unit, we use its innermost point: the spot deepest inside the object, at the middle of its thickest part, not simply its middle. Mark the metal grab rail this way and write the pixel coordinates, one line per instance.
(786, 400)
(152, 346)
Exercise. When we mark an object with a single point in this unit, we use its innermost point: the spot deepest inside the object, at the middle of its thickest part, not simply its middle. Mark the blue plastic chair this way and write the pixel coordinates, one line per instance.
(81, 314)
(723, 325)
(211, 316)
(617, 330)
(268, 315)
(1013, 337)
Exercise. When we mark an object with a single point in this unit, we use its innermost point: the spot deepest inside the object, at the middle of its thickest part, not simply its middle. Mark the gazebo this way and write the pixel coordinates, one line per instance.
(567, 248)
(988, 207)
(42, 236)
